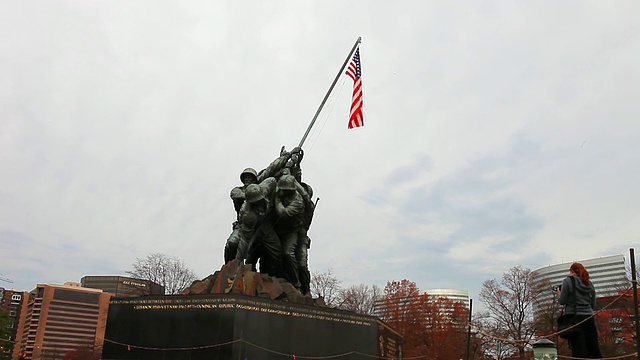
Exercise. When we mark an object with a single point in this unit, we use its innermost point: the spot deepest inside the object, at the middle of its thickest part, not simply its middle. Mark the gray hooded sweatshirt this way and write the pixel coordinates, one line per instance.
(585, 299)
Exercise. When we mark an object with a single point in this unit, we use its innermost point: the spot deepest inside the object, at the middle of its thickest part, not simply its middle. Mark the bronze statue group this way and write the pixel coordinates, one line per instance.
(274, 212)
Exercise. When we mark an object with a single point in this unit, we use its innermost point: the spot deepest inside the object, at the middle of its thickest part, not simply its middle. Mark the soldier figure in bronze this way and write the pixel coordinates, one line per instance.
(256, 229)
(289, 208)
(273, 214)
(247, 177)
(304, 241)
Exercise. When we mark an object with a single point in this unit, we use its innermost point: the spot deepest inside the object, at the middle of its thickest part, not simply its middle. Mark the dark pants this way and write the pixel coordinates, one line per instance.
(266, 246)
(585, 343)
(289, 263)
(302, 258)
(231, 247)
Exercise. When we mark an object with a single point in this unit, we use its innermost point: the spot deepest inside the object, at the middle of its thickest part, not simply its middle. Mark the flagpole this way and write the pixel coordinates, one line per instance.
(353, 49)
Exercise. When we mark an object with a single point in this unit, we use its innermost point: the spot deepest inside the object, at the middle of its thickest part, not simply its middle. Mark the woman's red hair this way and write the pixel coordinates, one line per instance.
(581, 271)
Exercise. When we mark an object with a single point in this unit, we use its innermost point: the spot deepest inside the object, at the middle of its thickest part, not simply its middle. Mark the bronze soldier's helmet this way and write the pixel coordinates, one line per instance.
(253, 193)
(287, 182)
(251, 171)
(237, 193)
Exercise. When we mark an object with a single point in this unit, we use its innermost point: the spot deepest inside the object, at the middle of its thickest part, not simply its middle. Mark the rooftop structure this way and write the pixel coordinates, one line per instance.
(122, 286)
(461, 296)
(451, 294)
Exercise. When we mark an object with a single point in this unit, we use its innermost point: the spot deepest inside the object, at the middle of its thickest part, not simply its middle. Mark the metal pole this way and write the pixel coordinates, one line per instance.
(469, 328)
(353, 49)
(635, 297)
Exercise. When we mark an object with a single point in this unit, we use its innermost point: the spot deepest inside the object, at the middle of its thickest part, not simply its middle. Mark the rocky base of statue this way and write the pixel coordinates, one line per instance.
(237, 278)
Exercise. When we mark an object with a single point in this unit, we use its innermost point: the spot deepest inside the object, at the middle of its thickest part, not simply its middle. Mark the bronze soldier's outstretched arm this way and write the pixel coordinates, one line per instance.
(276, 166)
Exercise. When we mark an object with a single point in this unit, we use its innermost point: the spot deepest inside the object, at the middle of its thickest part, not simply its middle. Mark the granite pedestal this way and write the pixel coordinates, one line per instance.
(232, 326)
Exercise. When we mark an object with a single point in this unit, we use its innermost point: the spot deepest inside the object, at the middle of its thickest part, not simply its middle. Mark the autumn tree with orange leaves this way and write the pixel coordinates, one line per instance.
(434, 328)
(84, 353)
(402, 310)
(614, 320)
(446, 330)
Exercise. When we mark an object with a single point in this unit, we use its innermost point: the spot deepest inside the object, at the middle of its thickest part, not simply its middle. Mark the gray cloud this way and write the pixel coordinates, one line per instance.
(496, 134)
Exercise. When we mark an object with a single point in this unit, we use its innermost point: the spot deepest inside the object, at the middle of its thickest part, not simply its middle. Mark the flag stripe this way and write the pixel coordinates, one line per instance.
(354, 72)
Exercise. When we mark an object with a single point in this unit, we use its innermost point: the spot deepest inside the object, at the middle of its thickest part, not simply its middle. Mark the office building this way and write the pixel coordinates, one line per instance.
(450, 294)
(122, 286)
(461, 296)
(608, 274)
(59, 319)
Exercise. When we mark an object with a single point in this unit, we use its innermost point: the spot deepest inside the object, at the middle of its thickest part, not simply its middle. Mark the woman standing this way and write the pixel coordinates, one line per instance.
(580, 301)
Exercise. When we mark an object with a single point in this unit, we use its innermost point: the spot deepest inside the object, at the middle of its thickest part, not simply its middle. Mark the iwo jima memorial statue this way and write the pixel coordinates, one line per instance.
(258, 305)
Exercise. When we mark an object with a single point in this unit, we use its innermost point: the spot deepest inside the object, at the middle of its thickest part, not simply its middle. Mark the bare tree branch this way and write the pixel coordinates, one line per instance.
(170, 272)
(510, 306)
(360, 298)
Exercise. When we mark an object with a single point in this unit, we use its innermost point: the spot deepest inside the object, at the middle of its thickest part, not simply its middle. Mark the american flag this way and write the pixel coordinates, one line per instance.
(354, 72)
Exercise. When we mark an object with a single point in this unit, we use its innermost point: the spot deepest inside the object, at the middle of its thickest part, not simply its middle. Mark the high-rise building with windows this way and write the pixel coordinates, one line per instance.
(450, 294)
(59, 319)
(608, 274)
(454, 295)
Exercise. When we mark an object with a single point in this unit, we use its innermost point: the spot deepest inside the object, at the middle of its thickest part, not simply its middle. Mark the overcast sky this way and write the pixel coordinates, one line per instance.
(496, 133)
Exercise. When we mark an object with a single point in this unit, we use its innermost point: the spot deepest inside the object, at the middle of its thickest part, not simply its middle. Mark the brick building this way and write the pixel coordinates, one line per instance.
(11, 303)
(58, 319)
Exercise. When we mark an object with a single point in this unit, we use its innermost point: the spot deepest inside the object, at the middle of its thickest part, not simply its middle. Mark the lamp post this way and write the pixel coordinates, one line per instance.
(544, 349)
